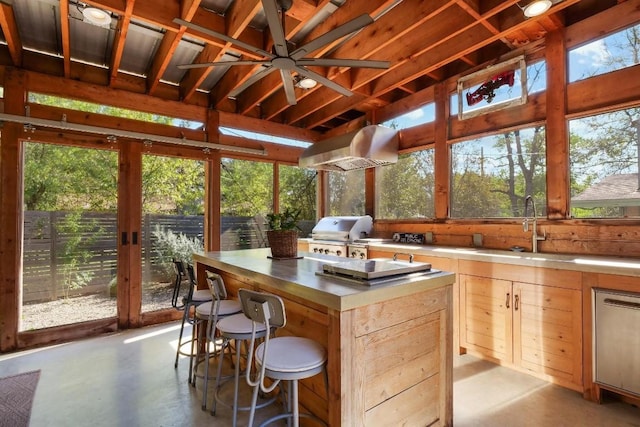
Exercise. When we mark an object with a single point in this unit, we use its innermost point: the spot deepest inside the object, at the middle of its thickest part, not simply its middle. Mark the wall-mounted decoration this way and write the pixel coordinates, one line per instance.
(496, 87)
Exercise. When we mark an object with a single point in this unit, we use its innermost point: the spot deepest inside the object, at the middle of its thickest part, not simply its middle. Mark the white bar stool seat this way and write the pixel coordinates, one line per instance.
(236, 328)
(280, 359)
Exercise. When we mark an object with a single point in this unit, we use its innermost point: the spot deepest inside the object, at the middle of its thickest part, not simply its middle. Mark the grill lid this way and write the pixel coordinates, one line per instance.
(342, 228)
(374, 268)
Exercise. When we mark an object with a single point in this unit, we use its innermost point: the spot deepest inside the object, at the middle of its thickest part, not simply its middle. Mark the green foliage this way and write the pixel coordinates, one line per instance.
(287, 220)
(172, 185)
(298, 190)
(170, 246)
(410, 182)
(246, 187)
(64, 178)
(75, 250)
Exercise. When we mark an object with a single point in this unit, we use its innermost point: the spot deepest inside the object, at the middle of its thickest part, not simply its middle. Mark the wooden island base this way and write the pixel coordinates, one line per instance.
(390, 347)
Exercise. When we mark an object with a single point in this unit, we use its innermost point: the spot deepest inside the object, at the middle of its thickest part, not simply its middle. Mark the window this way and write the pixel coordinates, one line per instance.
(74, 104)
(419, 116)
(406, 189)
(246, 199)
(536, 82)
(604, 165)
(346, 193)
(491, 176)
(263, 137)
(298, 191)
(613, 52)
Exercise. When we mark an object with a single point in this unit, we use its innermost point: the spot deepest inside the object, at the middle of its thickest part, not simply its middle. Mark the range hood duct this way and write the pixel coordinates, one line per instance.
(368, 147)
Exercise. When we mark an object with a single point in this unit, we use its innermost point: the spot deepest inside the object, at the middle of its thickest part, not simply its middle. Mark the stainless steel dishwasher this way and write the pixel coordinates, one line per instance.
(616, 341)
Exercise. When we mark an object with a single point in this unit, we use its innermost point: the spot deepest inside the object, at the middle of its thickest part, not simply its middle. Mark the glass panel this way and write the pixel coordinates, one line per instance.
(406, 189)
(613, 52)
(424, 114)
(491, 176)
(247, 197)
(172, 223)
(298, 191)
(70, 235)
(346, 193)
(604, 165)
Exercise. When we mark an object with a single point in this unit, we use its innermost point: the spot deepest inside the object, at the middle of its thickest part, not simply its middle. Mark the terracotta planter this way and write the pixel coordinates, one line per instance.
(283, 243)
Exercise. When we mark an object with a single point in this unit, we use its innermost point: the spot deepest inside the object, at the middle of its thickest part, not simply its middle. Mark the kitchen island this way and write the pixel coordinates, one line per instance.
(390, 353)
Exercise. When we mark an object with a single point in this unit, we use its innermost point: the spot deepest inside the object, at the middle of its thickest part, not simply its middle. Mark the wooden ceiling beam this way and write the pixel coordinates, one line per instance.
(383, 33)
(168, 46)
(278, 102)
(118, 43)
(299, 14)
(237, 20)
(437, 55)
(11, 34)
(65, 37)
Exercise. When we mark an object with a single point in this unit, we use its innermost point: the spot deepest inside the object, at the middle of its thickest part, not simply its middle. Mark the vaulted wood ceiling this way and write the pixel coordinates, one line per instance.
(425, 42)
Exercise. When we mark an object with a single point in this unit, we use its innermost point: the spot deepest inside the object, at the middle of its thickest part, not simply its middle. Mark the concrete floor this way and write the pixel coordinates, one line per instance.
(128, 379)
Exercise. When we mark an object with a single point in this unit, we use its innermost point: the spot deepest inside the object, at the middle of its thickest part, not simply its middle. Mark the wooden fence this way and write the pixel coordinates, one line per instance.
(58, 247)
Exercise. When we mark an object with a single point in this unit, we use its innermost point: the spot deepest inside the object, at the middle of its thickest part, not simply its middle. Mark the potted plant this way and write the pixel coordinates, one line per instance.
(283, 233)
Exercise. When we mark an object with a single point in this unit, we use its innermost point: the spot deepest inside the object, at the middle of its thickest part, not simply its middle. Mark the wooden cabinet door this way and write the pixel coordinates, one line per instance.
(485, 317)
(548, 332)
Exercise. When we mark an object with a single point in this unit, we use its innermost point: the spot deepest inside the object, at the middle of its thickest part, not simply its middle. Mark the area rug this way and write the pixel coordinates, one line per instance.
(16, 398)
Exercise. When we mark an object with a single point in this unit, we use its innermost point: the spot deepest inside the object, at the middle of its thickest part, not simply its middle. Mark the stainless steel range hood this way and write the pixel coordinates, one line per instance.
(368, 147)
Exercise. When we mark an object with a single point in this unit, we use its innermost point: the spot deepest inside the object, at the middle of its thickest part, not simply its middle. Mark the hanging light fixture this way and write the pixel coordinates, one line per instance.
(535, 8)
(305, 82)
(95, 16)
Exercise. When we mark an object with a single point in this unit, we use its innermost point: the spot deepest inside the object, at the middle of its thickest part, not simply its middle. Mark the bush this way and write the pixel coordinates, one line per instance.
(178, 246)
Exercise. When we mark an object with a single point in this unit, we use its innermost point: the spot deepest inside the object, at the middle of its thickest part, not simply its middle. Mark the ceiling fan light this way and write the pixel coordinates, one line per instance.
(96, 16)
(307, 83)
(536, 8)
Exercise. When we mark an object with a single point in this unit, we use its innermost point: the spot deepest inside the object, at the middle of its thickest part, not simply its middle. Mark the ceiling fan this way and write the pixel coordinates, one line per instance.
(287, 61)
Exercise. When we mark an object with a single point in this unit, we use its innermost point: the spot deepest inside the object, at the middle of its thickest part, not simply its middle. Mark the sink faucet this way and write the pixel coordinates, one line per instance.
(525, 223)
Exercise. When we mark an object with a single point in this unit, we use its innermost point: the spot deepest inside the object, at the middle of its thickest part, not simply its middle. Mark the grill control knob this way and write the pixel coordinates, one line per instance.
(315, 250)
(326, 251)
(362, 256)
(339, 253)
(353, 254)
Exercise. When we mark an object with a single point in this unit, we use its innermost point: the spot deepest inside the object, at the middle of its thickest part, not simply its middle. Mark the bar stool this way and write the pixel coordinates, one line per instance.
(194, 298)
(207, 316)
(237, 328)
(280, 359)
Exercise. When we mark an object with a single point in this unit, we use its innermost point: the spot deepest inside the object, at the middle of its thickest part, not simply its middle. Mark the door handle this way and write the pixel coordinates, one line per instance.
(508, 299)
(515, 302)
(124, 238)
(134, 238)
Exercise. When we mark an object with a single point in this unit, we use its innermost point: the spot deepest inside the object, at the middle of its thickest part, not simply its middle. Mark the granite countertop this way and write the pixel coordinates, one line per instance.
(584, 263)
(298, 277)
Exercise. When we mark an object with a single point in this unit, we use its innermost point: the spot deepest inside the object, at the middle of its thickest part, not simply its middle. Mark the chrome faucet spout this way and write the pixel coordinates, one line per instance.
(534, 220)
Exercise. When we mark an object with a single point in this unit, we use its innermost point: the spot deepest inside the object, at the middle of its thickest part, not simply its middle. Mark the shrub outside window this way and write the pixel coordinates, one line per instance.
(406, 189)
(346, 193)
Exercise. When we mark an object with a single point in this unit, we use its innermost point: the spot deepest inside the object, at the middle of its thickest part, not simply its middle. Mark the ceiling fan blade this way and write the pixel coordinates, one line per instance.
(275, 27)
(224, 37)
(221, 63)
(289, 90)
(322, 80)
(333, 35)
(336, 62)
(251, 80)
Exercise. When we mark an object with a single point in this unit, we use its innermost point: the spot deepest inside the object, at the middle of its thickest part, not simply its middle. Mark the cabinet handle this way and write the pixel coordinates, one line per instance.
(508, 299)
(515, 303)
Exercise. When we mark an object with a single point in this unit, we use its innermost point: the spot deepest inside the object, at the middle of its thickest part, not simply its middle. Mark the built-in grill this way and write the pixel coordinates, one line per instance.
(336, 235)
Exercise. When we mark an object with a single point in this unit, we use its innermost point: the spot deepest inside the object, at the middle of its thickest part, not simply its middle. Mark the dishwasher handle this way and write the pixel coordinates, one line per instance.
(621, 303)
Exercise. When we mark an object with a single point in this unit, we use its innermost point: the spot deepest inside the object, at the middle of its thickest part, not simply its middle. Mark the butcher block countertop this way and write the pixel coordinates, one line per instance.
(298, 277)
